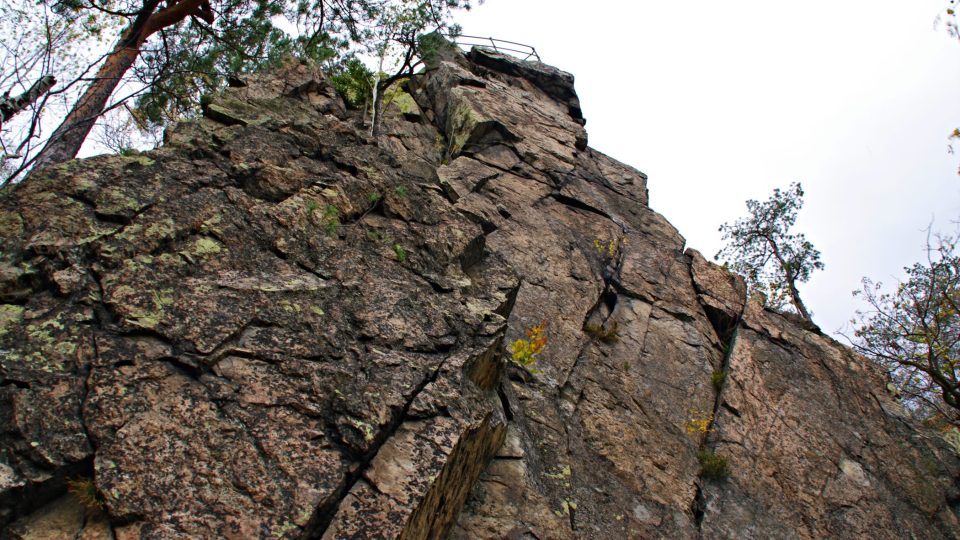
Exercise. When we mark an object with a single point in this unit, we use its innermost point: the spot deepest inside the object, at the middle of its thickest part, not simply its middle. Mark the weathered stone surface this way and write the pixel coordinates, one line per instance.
(557, 84)
(276, 326)
(853, 466)
(238, 323)
(723, 294)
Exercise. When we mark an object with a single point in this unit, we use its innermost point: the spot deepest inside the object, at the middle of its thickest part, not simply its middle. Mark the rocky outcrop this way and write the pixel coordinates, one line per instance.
(276, 326)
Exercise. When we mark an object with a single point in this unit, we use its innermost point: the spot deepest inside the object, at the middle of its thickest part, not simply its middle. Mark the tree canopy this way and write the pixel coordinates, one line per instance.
(155, 59)
(914, 331)
(771, 259)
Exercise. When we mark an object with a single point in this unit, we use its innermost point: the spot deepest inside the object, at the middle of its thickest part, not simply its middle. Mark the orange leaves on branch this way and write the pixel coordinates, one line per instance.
(525, 351)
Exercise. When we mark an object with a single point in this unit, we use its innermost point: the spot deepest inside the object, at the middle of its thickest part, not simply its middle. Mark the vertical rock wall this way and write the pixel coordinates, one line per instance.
(275, 326)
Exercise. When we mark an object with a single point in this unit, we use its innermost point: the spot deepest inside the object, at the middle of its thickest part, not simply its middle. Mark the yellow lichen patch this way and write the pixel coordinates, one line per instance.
(130, 233)
(143, 319)
(10, 316)
(163, 297)
(462, 122)
(117, 202)
(605, 248)
(142, 312)
(289, 307)
(403, 101)
(49, 342)
(365, 428)
(161, 230)
(139, 159)
(566, 506)
(212, 225)
(206, 246)
(562, 473)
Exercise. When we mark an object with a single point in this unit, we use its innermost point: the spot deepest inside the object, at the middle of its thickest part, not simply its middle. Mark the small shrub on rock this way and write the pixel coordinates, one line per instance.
(606, 334)
(85, 490)
(700, 422)
(524, 352)
(712, 466)
(717, 378)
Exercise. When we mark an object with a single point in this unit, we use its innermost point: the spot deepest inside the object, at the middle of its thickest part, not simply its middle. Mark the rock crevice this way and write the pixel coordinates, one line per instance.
(277, 326)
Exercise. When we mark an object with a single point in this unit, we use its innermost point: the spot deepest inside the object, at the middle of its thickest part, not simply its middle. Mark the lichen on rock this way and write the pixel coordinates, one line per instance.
(225, 337)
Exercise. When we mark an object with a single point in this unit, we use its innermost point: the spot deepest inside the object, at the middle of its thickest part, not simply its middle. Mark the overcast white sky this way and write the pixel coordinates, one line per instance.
(720, 102)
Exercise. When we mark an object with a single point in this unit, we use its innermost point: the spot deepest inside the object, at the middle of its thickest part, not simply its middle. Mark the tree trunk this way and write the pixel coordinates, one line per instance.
(377, 120)
(791, 284)
(66, 141)
(797, 303)
(11, 107)
(377, 99)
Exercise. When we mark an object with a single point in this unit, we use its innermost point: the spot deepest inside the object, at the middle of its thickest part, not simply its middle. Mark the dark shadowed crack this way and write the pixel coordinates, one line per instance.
(325, 512)
(726, 330)
(580, 205)
(698, 509)
(34, 495)
(608, 296)
(112, 218)
(85, 371)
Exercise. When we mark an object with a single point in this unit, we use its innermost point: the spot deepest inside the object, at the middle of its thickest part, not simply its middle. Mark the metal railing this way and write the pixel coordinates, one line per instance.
(514, 48)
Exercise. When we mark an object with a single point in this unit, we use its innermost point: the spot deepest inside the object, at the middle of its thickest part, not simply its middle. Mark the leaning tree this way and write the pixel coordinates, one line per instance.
(772, 259)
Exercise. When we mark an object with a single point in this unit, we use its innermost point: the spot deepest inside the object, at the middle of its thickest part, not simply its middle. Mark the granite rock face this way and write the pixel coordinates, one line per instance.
(276, 326)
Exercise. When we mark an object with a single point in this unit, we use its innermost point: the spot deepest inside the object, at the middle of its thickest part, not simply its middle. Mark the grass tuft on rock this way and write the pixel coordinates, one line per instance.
(712, 466)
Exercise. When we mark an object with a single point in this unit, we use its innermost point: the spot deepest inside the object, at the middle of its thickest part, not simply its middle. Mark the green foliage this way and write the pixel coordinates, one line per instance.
(194, 58)
(761, 248)
(330, 220)
(712, 466)
(430, 45)
(374, 197)
(354, 82)
(406, 35)
(398, 96)
(200, 55)
(401, 191)
(606, 334)
(914, 331)
(717, 378)
(400, 252)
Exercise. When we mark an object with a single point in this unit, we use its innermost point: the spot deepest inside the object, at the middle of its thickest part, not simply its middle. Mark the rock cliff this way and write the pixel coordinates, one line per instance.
(275, 326)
